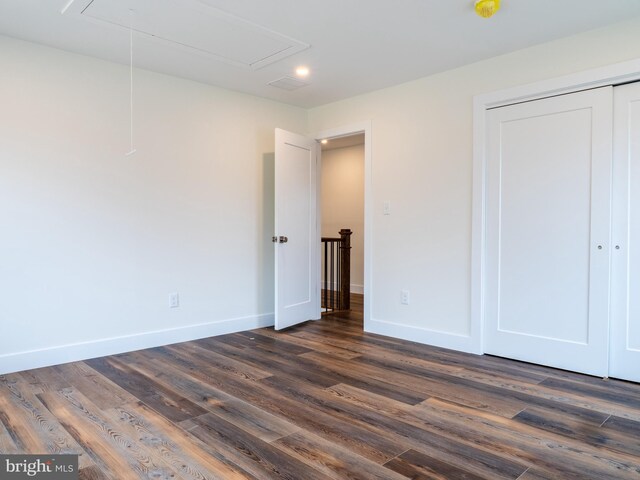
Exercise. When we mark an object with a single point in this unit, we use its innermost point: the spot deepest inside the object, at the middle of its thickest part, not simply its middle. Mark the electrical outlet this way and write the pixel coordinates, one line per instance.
(174, 300)
(404, 297)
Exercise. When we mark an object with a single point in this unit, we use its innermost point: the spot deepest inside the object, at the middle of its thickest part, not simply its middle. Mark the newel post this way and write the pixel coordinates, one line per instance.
(345, 268)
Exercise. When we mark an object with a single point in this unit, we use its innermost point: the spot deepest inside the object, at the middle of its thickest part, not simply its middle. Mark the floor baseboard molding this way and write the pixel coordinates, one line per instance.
(461, 343)
(355, 288)
(16, 362)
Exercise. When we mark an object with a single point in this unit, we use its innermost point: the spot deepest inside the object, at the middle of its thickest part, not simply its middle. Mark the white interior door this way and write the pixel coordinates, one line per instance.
(625, 307)
(548, 229)
(296, 230)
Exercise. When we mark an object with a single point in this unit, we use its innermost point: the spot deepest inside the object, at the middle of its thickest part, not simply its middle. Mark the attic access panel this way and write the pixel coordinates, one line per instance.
(192, 25)
(288, 83)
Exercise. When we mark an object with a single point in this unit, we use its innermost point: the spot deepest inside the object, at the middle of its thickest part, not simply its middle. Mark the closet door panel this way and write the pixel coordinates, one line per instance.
(547, 232)
(625, 327)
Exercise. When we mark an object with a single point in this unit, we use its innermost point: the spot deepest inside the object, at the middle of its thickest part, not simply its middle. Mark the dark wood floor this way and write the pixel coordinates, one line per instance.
(322, 400)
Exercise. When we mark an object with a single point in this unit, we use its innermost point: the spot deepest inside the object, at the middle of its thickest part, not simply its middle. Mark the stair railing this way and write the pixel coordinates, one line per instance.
(336, 269)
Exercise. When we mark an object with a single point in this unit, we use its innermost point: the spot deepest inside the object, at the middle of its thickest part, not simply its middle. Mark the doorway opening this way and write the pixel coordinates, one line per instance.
(342, 203)
(297, 232)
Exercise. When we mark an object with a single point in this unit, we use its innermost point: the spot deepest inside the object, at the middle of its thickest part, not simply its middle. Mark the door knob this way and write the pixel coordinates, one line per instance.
(284, 239)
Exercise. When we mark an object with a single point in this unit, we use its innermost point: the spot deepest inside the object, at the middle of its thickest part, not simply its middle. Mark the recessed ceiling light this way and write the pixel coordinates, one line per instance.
(324, 141)
(302, 71)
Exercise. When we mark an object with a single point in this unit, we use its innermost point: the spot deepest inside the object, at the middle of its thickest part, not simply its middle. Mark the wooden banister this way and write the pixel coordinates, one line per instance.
(336, 267)
(345, 268)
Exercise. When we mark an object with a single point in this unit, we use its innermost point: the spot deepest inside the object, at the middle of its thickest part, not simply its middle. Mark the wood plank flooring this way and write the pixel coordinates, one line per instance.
(322, 400)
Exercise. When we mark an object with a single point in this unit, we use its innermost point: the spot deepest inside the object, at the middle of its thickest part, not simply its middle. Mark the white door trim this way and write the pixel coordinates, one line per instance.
(615, 74)
(361, 127)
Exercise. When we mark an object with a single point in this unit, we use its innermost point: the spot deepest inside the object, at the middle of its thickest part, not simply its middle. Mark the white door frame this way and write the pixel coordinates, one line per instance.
(344, 131)
(609, 75)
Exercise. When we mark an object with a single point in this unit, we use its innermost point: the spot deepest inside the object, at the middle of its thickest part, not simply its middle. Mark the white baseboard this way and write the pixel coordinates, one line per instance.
(452, 341)
(354, 287)
(16, 362)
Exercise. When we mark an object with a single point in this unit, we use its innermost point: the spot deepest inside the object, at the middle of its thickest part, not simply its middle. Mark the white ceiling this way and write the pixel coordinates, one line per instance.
(351, 46)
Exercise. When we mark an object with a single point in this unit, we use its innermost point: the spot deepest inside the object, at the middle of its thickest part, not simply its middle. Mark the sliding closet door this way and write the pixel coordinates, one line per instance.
(625, 312)
(547, 232)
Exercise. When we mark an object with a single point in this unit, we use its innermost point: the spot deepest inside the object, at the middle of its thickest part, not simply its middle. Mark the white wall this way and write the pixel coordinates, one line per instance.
(422, 164)
(92, 242)
(342, 198)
